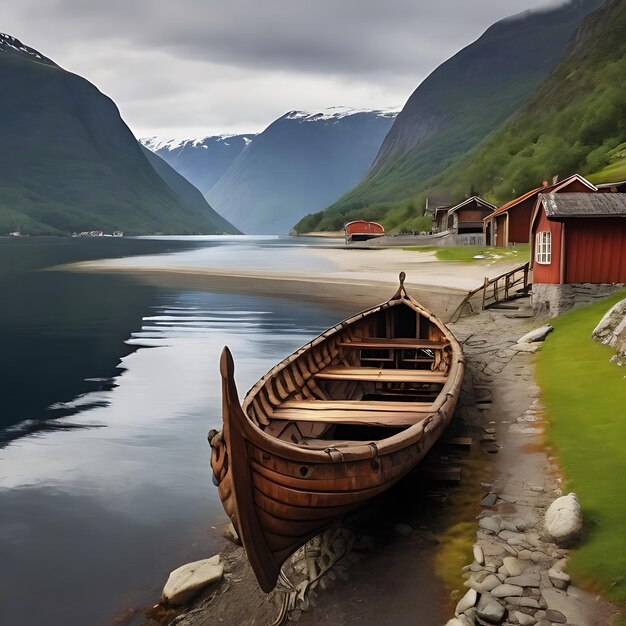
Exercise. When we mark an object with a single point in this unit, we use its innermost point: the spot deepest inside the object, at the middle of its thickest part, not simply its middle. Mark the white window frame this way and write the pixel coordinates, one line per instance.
(543, 248)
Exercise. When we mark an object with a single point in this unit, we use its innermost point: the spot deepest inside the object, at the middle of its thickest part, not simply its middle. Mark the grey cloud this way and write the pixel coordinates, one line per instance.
(172, 64)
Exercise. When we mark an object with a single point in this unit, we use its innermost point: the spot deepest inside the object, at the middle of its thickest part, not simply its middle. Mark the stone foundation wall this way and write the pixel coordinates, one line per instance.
(552, 300)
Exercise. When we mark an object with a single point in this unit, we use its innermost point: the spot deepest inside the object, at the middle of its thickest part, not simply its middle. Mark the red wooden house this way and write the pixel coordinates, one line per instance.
(578, 238)
(510, 223)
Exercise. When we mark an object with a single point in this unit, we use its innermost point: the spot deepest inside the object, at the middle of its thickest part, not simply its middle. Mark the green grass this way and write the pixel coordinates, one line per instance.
(468, 253)
(585, 399)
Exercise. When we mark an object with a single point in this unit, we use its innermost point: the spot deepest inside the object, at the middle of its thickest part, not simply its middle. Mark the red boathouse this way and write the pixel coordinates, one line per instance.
(510, 223)
(361, 230)
(579, 248)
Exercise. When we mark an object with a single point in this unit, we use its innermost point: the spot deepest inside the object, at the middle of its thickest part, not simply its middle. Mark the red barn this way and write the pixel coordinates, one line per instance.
(510, 223)
(361, 230)
(578, 238)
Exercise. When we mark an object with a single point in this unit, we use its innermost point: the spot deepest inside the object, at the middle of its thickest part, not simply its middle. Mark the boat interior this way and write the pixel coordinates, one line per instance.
(375, 377)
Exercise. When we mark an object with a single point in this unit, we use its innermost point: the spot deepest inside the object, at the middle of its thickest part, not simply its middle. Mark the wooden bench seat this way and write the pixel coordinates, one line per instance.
(384, 343)
(370, 413)
(373, 374)
(355, 405)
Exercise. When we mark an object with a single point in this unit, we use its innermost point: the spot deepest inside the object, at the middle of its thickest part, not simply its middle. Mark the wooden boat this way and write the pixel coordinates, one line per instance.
(333, 425)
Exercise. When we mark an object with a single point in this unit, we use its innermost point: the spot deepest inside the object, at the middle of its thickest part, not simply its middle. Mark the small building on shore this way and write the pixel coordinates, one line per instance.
(579, 248)
(467, 216)
(510, 223)
(362, 230)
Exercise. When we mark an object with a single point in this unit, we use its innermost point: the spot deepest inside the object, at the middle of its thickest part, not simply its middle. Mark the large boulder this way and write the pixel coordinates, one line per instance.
(612, 330)
(188, 580)
(564, 519)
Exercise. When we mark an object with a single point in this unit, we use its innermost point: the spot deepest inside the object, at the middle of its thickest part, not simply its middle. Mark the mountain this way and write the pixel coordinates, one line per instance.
(70, 163)
(298, 164)
(575, 121)
(457, 106)
(201, 161)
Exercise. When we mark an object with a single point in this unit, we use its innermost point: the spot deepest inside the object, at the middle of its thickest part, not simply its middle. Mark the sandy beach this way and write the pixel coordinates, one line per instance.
(346, 279)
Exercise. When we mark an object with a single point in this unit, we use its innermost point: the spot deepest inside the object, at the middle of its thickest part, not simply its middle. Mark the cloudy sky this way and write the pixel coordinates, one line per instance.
(186, 68)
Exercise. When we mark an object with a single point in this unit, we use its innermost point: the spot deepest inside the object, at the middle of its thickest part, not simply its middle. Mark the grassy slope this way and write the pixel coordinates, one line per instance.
(472, 93)
(585, 400)
(68, 161)
(574, 122)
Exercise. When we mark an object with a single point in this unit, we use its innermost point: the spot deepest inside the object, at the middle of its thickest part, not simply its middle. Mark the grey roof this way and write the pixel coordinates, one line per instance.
(619, 184)
(477, 199)
(562, 205)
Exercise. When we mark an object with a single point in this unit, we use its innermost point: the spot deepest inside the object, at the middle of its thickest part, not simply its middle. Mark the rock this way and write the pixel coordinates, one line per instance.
(513, 566)
(524, 555)
(490, 523)
(492, 549)
(403, 529)
(564, 520)
(526, 347)
(483, 585)
(556, 617)
(559, 578)
(612, 329)
(479, 555)
(525, 580)
(490, 609)
(188, 580)
(466, 602)
(489, 500)
(503, 591)
(530, 603)
(454, 622)
(523, 618)
(231, 534)
(539, 334)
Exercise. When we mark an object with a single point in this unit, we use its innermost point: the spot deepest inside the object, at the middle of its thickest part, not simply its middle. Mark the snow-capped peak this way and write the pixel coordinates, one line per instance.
(339, 112)
(156, 143)
(12, 45)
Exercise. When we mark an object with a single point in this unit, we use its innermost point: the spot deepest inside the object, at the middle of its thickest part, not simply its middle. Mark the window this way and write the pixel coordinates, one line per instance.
(543, 252)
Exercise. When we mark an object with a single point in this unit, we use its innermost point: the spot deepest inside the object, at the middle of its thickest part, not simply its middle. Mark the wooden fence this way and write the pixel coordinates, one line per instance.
(509, 286)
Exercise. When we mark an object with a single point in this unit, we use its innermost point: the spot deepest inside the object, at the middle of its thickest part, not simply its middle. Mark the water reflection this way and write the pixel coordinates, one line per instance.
(94, 517)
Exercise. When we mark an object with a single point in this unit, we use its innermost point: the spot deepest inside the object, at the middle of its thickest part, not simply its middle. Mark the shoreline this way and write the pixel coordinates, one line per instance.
(346, 280)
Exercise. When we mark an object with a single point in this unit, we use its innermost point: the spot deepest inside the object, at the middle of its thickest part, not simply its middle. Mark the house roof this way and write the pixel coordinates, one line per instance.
(620, 185)
(536, 191)
(476, 199)
(558, 206)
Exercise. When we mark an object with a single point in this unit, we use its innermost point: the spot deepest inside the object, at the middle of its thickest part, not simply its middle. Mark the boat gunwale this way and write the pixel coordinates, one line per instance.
(368, 449)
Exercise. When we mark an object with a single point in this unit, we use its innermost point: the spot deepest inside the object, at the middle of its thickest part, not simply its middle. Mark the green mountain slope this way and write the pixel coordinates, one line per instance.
(69, 163)
(574, 122)
(456, 107)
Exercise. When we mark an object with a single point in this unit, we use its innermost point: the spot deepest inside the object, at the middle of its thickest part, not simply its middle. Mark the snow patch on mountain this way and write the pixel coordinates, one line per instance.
(12, 45)
(156, 143)
(340, 112)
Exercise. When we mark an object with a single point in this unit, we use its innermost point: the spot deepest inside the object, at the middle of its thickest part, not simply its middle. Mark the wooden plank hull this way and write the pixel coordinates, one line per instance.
(279, 494)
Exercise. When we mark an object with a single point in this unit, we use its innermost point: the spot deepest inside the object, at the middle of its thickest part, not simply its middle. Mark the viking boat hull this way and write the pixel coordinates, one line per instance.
(332, 426)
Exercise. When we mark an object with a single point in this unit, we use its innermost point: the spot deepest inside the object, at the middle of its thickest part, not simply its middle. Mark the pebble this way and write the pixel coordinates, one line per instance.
(489, 500)
(513, 566)
(479, 555)
(506, 590)
(188, 580)
(525, 580)
(490, 523)
(530, 603)
(559, 578)
(523, 618)
(555, 617)
(486, 584)
(490, 609)
(466, 602)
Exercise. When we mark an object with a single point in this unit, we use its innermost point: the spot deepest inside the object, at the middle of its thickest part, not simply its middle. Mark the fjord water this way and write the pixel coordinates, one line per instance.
(108, 389)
